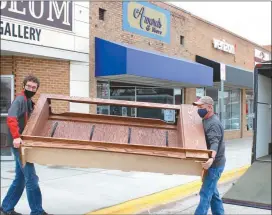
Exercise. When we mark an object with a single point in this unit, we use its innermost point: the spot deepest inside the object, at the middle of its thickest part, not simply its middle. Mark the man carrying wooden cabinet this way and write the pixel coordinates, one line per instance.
(214, 134)
(18, 114)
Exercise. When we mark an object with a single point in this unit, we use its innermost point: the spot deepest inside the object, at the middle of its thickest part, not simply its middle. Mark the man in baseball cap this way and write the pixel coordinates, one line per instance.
(204, 100)
(214, 134)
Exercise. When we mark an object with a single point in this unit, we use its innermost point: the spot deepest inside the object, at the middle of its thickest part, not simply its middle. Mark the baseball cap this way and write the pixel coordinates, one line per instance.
(204, 100)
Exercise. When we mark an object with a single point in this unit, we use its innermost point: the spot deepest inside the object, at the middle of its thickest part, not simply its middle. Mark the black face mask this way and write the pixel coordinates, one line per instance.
(29, 94)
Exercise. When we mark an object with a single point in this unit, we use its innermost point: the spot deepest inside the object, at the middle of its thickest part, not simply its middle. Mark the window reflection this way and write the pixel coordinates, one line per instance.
(122, 93)
(5, 94)
(5, 148)
(232, 106)
(249, 109)
(155, 95)
(139, 93)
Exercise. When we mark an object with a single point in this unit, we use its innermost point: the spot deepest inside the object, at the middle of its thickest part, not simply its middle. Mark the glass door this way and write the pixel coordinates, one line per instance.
(249, 109)
(6, 97)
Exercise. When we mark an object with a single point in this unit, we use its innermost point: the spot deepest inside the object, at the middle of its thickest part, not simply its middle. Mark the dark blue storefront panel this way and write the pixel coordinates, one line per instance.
(234, 76)
(239, 77)
(146, 64)
(110, 58)
(118, 59)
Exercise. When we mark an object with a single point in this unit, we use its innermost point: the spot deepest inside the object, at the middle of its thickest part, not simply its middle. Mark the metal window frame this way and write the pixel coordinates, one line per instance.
(8, 158)
(252, 109)
(241, 99)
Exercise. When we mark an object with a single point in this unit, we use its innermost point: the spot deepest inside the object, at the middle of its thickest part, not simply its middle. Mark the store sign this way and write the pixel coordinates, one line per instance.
(147, 20)
(56, 24)
(222, 45)
(19, 31)
(261, 56)
(57, 14)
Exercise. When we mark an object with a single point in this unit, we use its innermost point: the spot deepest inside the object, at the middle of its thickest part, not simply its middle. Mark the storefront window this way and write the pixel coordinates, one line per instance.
(103, 93)
(129, 92)
(200, 92)
(249, 109)
(155, 95)
(213, 93)
(7, 94)
(232, 106)
(126, 93)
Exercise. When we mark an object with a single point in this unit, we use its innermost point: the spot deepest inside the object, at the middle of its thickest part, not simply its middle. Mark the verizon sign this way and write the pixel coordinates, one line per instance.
(222, 45)
(57, 14)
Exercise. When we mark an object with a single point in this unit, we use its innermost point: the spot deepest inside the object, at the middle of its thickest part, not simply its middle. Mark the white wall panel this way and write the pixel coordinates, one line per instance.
(81, 14)
(23, 49)
(82, 44)
(79, 108)
(83, 3)
(81, 29)
(79, 72)
(79, 85)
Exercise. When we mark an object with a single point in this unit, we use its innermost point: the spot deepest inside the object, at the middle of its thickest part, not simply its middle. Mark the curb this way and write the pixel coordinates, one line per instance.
(166, 196)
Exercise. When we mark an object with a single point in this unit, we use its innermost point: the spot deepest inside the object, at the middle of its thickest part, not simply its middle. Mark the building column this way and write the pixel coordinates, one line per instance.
(243, 113)
(189, 95)
(79, 85)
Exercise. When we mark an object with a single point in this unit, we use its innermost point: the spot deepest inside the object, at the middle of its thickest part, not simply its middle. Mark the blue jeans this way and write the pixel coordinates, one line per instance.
(209, 195)
(24, 177)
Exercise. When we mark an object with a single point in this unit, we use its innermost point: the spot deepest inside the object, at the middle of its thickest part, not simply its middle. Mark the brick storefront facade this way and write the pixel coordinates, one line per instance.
(61, 73)
(198, 35)
(53, 75)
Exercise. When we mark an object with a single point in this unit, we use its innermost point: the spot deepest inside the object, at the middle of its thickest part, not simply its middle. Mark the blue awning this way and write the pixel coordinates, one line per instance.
(119, 62)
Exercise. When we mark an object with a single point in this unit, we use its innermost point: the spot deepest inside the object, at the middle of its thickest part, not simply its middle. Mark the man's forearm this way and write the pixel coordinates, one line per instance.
(213, 154)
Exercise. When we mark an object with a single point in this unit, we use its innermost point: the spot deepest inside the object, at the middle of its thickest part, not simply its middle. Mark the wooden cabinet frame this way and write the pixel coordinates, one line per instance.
(115, 142)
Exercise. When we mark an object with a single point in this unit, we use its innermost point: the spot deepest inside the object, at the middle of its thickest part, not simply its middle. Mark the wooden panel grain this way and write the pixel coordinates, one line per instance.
(173, 139)
(73, 130)
(48, 125)
(110, 160)
(110, 133)
(114, 120)
(38, 117)
(194, 137)
(31, 141)
(116, 135)
(180, 132)
(148, 136)
(67, 130)
(110, 102)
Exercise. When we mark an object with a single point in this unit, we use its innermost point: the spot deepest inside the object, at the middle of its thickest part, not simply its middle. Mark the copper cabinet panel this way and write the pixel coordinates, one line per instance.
(113, 137)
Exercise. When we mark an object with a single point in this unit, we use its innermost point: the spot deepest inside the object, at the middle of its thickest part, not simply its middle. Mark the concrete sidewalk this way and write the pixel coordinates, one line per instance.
(79, 191)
